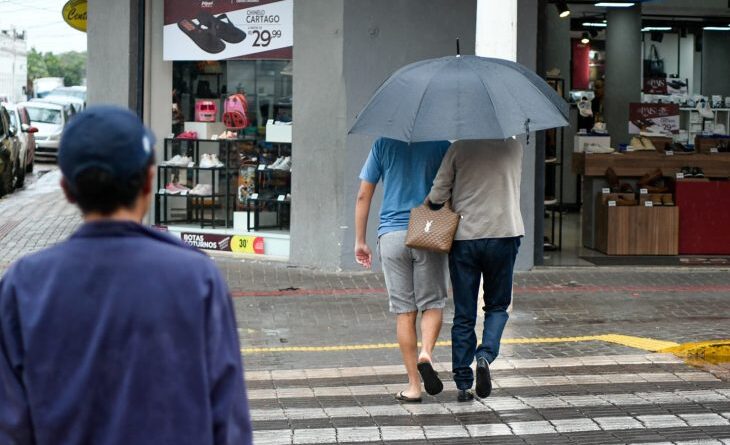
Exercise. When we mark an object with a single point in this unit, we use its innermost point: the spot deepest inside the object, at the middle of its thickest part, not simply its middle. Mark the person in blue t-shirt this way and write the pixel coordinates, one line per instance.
(417, 280)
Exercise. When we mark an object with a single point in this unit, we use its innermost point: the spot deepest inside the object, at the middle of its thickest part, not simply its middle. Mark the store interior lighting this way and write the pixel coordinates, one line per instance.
(716, 28)
(586, 39)
(562, 7)
(595, 24)
(615, 4)
(656, 28)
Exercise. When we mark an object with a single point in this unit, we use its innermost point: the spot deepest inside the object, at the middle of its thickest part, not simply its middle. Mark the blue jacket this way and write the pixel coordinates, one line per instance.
(119, 335)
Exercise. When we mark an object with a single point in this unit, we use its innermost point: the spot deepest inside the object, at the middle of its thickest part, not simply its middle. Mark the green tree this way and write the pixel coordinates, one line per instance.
(70, 65)
(36, 65)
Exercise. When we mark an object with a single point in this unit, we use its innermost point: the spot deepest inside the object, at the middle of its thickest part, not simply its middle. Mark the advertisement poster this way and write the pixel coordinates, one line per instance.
(653, 118)
(655, 85)
(228, 29)
(225, 243)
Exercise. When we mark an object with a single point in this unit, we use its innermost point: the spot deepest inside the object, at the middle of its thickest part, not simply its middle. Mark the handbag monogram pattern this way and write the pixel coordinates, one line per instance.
(432, 230)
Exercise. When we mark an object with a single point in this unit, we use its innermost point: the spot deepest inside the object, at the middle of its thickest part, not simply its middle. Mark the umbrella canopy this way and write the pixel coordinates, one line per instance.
(461, 97)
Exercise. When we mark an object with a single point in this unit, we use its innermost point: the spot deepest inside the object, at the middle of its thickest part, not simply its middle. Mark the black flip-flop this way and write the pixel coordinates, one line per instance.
(430, 377)
(203, 37)
(405, 399)
(223, 27)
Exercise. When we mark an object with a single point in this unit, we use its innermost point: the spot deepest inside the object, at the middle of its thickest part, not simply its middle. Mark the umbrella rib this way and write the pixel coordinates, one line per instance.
(489, 95)
(420, 102)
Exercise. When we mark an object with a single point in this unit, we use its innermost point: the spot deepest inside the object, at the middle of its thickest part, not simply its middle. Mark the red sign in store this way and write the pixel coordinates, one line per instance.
(225, 243)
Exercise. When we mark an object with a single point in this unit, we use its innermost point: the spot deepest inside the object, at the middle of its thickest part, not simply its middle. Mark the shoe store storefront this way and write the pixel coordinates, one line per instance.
(641, 175)
(224, 180)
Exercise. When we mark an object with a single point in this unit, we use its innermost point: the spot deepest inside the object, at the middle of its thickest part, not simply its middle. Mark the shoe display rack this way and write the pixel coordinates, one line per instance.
(272, 189)
(200, 184)
(554, 162)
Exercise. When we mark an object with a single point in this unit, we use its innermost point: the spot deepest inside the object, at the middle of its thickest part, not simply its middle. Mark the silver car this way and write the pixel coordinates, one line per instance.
(50, 119)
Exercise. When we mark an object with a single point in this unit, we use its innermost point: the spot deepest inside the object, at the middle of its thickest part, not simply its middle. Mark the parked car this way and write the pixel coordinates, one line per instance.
(9, 153)
(24, 129)
(49, 118)
(79, 92)
(77, 104)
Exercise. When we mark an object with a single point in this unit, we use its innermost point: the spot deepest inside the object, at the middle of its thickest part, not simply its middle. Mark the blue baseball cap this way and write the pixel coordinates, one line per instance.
(107, 137)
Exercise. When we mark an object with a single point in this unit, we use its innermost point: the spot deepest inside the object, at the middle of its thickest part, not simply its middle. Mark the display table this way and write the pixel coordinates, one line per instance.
(704, 222)
(592, 167)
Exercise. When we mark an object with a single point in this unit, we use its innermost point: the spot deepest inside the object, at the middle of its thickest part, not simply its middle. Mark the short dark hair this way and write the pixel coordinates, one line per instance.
(96, 190)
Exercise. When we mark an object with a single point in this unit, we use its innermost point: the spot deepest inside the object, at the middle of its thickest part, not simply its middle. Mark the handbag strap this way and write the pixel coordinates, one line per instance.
(654, 53)
(446, 205)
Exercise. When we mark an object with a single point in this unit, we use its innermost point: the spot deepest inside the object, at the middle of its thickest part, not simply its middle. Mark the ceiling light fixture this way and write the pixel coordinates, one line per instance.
(586, 39)
(716, 28)
(595, 24)
(656, 28)
(562, 7)
(615, 5)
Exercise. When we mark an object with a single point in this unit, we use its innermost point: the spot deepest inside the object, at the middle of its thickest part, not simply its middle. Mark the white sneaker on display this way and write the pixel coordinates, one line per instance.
(705, 110)
(202, 190)
(275, 165)
(285, 164)
(215, 161)
(205, 161)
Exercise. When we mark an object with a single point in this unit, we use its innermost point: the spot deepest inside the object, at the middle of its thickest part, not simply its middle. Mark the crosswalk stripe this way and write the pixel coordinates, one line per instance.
(498, 382)
(499, 364)
(501, 404)
(391, 433)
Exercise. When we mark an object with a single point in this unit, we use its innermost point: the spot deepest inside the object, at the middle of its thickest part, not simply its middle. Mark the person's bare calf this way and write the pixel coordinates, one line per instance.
(430, 328)
(408, 343)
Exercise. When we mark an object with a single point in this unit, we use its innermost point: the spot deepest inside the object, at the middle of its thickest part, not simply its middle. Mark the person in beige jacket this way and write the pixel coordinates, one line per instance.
(481, 178)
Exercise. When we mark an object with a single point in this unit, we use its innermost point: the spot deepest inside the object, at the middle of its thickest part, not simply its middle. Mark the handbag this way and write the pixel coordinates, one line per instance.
(654, 66)
(432, 230)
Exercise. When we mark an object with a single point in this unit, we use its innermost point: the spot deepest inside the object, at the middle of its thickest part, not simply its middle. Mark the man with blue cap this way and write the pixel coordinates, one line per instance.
(121, 334)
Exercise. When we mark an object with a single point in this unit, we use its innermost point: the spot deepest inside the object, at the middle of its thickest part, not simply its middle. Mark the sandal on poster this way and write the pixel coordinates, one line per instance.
(204, 37)
(223, 27)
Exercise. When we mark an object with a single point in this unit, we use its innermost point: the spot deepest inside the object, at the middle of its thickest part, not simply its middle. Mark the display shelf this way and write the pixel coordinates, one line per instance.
(554, 161)
(716, 165)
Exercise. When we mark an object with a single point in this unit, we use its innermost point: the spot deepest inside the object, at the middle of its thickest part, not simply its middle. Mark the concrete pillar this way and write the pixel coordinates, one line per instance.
(623, 69)
(112, 50)
(498, 26)
(343, 50)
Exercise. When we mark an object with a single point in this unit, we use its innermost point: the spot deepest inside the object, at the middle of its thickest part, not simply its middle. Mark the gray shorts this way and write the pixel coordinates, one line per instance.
(417, 280)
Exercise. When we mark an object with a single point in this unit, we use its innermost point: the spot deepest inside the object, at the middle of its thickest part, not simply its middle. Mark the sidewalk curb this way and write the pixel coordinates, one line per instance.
(707, 350)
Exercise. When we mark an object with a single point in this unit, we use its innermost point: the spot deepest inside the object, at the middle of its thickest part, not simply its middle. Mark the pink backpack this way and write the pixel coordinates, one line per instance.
(234, 112)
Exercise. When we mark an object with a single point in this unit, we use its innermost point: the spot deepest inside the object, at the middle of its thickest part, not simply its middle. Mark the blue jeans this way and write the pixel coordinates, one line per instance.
(468, 261)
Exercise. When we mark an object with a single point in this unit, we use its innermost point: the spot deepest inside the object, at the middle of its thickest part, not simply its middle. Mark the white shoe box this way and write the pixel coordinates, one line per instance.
(205, 130)
(581, 140)
(278, 133)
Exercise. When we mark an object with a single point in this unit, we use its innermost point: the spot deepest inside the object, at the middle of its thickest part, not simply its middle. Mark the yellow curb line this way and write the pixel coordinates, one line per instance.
(704, 349)
(647, 344)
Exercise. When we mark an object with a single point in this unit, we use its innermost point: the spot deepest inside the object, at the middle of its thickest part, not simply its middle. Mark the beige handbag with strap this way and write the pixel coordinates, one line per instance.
(432, 230)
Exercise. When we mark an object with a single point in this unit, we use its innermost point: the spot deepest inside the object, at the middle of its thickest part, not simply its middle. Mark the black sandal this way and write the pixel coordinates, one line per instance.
(405, 399)
(223, 27)
(203, 37)
(430, 377)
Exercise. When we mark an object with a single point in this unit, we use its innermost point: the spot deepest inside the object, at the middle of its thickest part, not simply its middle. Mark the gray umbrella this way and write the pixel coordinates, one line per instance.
(461, 97)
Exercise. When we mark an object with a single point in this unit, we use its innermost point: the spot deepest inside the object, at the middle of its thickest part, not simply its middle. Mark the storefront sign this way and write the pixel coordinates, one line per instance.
(74, 13)
(653, 118)
(228, 29)
(225, 243)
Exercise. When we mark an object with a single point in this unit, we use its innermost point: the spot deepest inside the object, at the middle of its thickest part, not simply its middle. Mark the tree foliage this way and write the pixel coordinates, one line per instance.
(69, 65)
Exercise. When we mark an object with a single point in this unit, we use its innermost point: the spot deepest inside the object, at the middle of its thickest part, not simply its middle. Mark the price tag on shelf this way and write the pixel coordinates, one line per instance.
(648, 204)
(262, 167)
(254, 196)
(644, 191)
(714, 150)
(606, 190)
(680, 175)
(612, 203)
(669, 153)
(281, 197)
